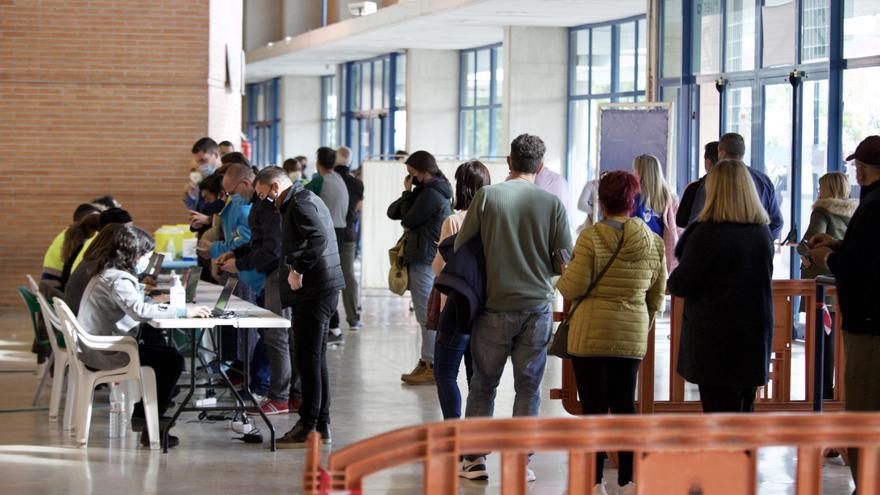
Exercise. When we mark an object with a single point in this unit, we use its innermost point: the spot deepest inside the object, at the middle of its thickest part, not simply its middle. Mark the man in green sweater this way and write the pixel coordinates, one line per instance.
(521, 227)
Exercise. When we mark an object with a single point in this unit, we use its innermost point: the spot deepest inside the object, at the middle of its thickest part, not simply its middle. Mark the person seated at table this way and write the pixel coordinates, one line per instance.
(114, 304)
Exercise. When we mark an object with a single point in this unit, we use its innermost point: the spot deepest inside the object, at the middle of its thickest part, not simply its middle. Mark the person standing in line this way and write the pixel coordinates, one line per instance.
(685, 207)
(348, 240)
(732, 146)
(855, 263)
(656, 204)
(554, 184)
(618, 274)
(260, 256)
(724, 275)
(226, 147)
(206, 155)
(331, 188)
(522, 227)
(831, 215)
(311, 278)
(451, 347)
(421, 209)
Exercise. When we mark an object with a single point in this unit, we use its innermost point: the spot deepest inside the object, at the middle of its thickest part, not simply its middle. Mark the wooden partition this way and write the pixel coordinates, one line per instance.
(675, 453)
(775, 397)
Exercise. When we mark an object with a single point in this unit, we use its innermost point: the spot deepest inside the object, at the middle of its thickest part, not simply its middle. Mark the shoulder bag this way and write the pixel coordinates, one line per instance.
(398, 277)
(559, 345)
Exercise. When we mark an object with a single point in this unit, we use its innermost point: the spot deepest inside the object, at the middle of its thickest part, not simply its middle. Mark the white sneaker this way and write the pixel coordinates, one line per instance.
(530, 476)
(474, 470)
(336, 331)
(627, 489)
(599, 489)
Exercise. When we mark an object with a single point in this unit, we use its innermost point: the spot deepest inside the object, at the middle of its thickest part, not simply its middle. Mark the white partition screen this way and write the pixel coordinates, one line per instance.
(383, 183)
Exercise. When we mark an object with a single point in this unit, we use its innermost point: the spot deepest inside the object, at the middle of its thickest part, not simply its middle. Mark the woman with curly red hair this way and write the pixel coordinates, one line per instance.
(616, 281)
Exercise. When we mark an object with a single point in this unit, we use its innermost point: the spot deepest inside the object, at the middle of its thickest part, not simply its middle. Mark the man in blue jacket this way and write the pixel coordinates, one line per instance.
(732, 146)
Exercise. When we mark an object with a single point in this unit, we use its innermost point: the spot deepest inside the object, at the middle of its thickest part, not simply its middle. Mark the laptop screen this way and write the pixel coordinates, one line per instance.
(223, 300)
(191, 281)
(156, 264)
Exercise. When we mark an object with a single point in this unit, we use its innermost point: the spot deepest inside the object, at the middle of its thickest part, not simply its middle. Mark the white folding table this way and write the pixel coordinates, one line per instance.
(246, 316)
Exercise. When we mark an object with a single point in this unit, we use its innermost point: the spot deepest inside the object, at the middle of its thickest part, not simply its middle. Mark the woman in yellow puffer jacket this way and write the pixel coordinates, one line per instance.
(608, 334)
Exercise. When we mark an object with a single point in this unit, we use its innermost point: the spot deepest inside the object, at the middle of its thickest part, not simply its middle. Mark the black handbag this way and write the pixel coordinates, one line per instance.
(559, 345)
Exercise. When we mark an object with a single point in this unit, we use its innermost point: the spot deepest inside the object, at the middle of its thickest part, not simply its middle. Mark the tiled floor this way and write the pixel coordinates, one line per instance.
(35, 457)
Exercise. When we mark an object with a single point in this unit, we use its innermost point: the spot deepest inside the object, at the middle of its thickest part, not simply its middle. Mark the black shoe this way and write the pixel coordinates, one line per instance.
(326, 438)
(172, 440)
(293, 439)
(334, 339)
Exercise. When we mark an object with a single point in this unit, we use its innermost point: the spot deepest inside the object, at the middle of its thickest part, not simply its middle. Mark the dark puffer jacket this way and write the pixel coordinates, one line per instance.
(308, 245)
(422, 212)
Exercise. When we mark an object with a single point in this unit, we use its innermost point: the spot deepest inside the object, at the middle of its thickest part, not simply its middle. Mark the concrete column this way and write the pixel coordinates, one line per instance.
(224, 49)
(535, 89)
(300, 116)
(432, 101)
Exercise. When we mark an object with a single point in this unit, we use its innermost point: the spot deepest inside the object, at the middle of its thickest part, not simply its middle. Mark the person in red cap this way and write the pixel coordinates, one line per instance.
(855, 263)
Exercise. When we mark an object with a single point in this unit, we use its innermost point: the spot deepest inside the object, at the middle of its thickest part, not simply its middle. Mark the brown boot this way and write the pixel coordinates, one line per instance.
(404, 377)
(423, 375)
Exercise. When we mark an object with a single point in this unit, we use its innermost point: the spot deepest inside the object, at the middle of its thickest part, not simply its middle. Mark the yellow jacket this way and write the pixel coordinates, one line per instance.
(613, 321)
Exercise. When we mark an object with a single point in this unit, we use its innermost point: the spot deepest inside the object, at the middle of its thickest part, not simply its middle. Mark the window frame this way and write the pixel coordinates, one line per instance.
(494, 51)
(269, 127)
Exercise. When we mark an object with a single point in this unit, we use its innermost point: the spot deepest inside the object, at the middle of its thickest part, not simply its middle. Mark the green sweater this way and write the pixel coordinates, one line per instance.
(521, 227)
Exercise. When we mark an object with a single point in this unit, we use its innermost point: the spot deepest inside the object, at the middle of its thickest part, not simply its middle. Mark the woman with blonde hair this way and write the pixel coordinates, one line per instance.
(831, 215)
(657, 205)
(724, 275)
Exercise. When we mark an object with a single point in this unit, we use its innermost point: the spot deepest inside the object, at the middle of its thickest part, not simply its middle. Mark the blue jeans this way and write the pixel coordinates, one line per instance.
(447, 360)
(522, 336)
(421, 281)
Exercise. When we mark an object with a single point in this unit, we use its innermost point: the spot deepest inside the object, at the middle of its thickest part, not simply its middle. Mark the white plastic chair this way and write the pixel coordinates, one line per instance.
(42, 370)
(87, 379)
(61, 363)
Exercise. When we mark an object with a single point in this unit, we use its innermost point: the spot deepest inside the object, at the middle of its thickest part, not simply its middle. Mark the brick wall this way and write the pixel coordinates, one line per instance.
(98, 97)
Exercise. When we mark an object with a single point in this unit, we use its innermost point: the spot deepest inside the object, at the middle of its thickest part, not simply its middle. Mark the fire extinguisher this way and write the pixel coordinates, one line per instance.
(245, 147)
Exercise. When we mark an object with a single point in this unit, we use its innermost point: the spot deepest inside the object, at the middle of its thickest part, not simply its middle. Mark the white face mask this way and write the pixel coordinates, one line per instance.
(295, 176)
(143, 263)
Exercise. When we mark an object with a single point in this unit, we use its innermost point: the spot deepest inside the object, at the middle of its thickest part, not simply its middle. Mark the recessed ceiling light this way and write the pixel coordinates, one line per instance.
(270, 44)
(287, 39)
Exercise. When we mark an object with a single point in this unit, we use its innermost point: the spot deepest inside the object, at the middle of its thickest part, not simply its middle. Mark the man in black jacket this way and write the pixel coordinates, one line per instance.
(855, 263)
(686, 205)
(261, 254)
(348, 240)
(311, 278)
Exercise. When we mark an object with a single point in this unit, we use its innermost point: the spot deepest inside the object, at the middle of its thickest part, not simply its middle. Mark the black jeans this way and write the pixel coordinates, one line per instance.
(608, 384)
(727, 399)
(310, 325)
(168, 365)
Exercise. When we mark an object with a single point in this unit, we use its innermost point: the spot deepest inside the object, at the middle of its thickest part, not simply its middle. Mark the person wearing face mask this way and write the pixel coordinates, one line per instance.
(422, 207)
(310, 281)
(114, 304)
(295, 169)
(206, 155)
(261, 256)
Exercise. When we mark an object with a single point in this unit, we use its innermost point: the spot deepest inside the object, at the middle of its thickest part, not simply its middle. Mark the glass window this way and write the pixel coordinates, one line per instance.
(626, 57)
(399, 130)
(861, 28)
(400, 84)
(601, 68)
(777, 161)
(483, 76)
(710, 114)
(707, 37)
(480, 118)
(263, 125)
(861, 107)
(739, 116)
(328, 111)
(740, 24)
(672, 38)
(642, 77)
(779, 18)
(580, 62)
(378, 85)
(815, 145)
(499, 73)
(814, 30)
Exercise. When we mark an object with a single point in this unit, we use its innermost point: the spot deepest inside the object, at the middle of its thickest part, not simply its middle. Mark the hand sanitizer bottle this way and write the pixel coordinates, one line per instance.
(177, 293)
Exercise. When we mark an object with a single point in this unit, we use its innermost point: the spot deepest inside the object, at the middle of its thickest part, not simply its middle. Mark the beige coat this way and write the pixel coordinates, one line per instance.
(614, 320)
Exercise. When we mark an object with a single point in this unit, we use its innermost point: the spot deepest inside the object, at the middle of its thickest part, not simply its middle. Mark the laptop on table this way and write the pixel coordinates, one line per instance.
(219, 310)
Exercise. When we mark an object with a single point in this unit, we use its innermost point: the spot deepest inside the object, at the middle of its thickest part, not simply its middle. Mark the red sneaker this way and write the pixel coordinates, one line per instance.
(293, 405)
(270, 408)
